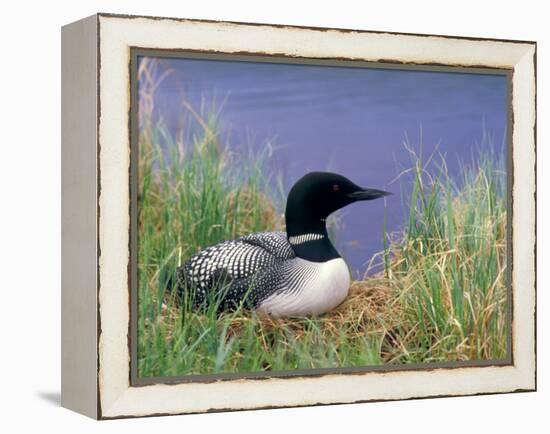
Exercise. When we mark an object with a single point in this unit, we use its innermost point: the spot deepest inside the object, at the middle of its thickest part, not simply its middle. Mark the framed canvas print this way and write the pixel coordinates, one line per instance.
(260, 216)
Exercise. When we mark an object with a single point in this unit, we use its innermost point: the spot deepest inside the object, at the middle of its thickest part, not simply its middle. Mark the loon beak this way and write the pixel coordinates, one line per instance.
(368, 194)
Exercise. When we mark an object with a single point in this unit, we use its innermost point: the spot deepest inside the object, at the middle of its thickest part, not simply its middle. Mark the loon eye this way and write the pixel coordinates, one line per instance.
(335, 187)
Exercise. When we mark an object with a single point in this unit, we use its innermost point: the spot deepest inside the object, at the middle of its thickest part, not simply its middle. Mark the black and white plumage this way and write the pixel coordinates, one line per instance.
(237, 263)
(298, 272)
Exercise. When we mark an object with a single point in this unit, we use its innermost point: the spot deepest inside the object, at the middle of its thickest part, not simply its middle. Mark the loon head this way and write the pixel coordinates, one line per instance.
(314, 197)
(318, 194)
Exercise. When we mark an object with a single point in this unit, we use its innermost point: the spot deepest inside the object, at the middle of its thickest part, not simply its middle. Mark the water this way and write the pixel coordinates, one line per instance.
(348, 120)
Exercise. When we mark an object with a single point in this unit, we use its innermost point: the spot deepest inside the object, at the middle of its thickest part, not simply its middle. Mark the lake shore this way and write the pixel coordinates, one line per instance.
(441, 294)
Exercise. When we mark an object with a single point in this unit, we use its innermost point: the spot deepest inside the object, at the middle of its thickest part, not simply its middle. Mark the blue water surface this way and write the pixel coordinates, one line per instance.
(344, 119)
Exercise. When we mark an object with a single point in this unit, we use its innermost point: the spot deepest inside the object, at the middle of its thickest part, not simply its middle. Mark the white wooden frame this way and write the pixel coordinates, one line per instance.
(96, 201)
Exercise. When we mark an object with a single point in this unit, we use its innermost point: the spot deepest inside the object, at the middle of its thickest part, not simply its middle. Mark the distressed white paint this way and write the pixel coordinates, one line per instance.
(117, 397)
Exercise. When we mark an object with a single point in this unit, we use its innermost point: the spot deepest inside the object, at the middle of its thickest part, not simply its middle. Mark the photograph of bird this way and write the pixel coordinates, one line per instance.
(294, 273)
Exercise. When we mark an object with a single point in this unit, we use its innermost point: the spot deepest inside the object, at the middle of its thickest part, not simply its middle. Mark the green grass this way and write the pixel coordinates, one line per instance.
(441, 296)
(449, 270)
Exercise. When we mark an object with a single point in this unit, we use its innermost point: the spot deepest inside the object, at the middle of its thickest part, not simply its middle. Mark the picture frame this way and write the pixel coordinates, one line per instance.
(99, 205)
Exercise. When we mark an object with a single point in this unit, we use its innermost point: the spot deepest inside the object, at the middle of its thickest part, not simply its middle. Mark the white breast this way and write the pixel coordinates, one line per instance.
(321, 287)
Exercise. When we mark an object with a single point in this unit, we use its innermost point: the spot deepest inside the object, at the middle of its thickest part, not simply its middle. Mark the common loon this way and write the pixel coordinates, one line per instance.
(295, 273)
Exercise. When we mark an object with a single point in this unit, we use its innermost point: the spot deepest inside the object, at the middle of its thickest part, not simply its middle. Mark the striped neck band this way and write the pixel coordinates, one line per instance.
(304, 238)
